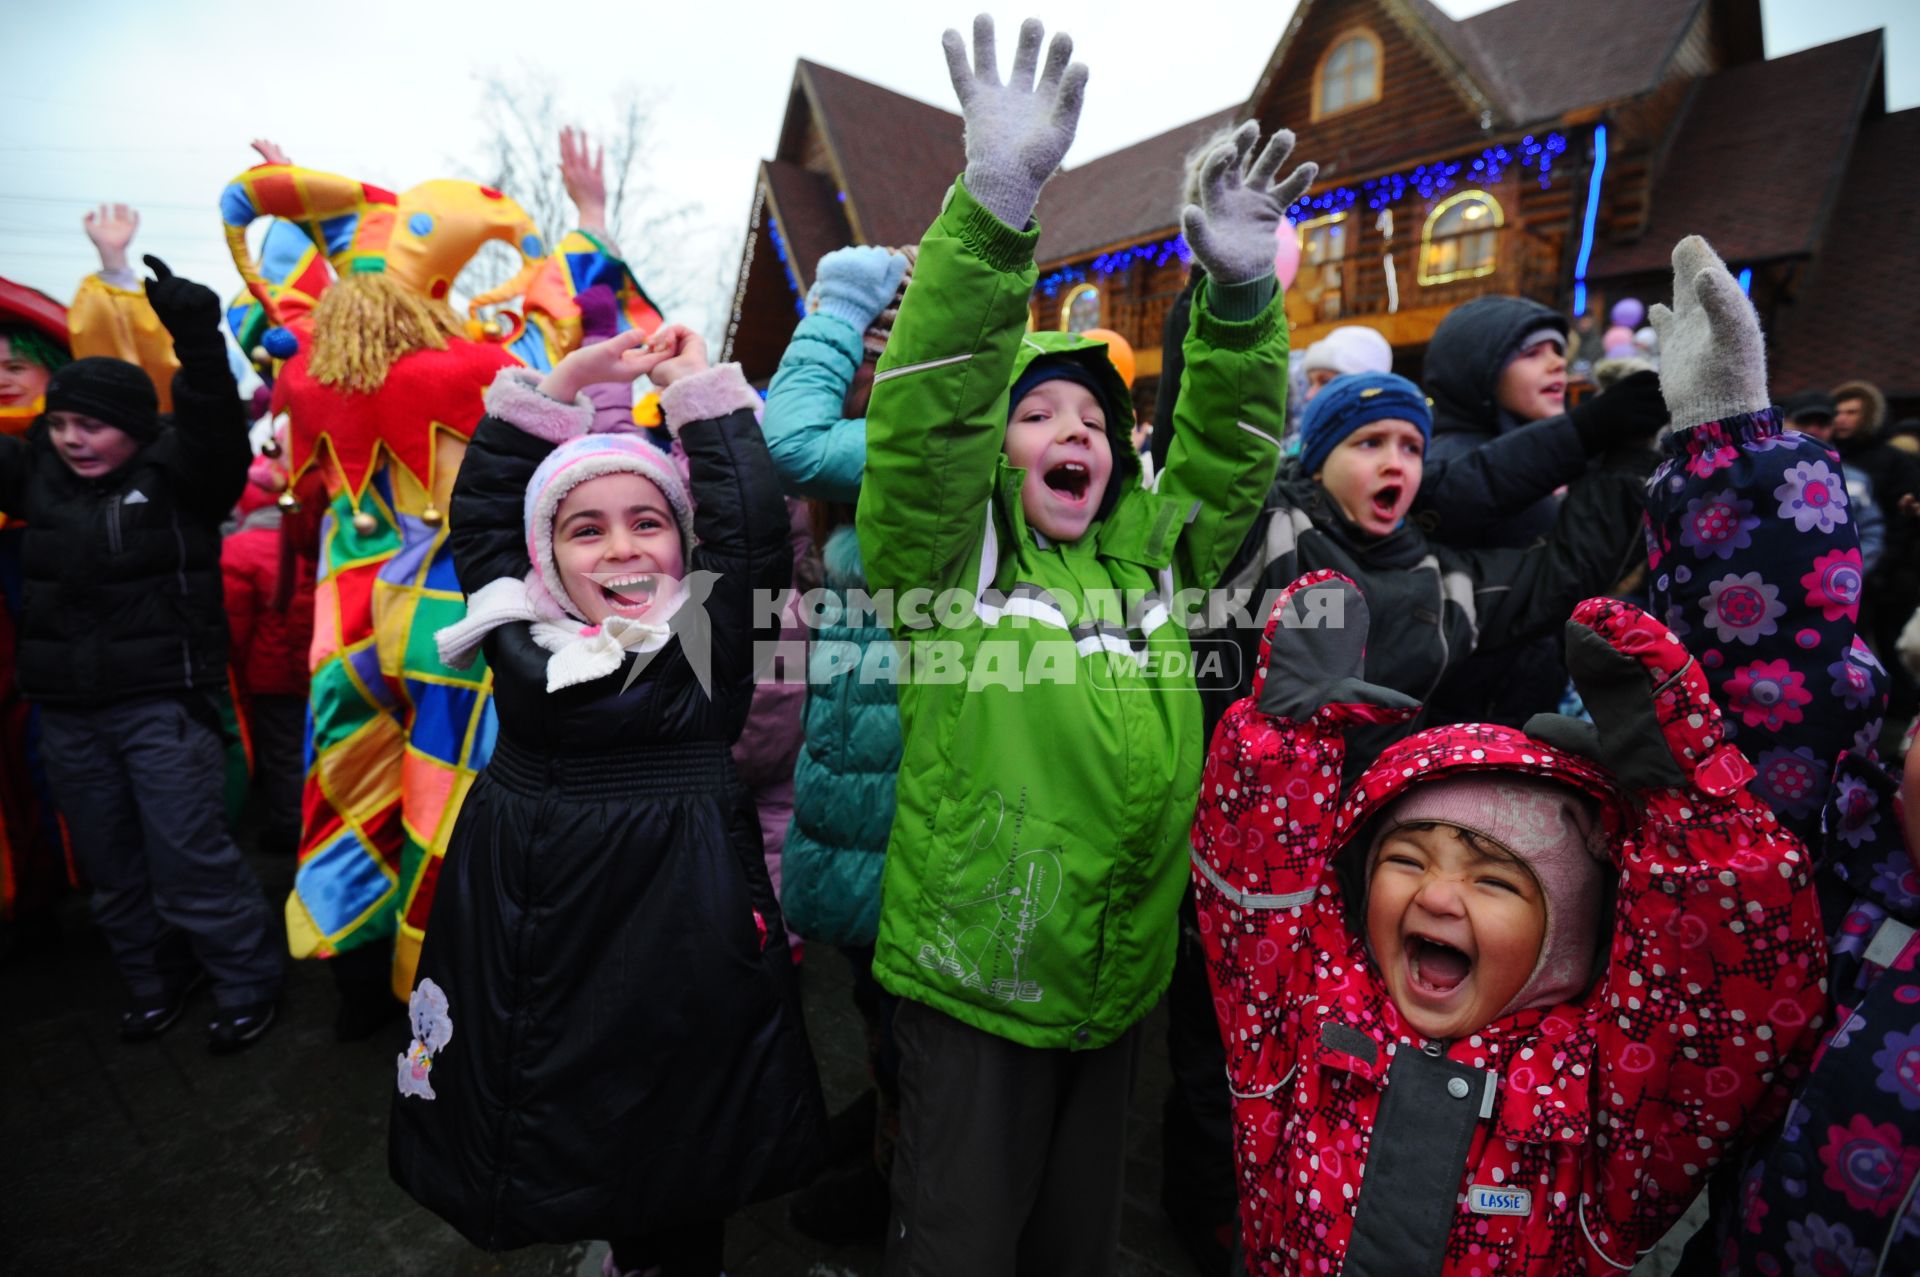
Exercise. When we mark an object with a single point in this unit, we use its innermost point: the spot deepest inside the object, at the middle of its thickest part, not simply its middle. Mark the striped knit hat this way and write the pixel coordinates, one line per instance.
(572, 464)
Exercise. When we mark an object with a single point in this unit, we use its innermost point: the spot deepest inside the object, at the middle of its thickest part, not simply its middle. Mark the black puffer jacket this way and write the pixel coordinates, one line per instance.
(1432, 606)
(123, 593)
(627, 1051)
(1526, 459)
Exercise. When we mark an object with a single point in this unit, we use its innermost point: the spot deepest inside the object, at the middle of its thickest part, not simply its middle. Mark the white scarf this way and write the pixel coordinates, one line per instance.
(581, 652)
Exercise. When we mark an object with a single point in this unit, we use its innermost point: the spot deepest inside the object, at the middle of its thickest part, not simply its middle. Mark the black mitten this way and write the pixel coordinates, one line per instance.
(1317, 642)
(189, 311)
(1629, 411)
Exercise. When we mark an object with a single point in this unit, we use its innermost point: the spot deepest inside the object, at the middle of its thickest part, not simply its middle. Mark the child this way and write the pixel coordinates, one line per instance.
(1757, 565)
(1050, 733)
(1344, 503)
(123, 643)
(843, 782)
(607, 1032)
(1448, 1053)
(270, 618)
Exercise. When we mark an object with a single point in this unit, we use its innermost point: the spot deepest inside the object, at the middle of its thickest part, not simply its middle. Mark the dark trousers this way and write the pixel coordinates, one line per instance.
(279, 726)
(1196, 1129)
(877, 1008)
(1010, 1158)
(692, 1250)
(140, 785)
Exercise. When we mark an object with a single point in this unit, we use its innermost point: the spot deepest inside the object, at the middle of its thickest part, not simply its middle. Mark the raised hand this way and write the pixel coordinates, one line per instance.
(187, 309)
(269, 151)
(582, 171)
(685, 351)
(1231, 230)
(111, 227)
(1017, 132)
(1316, 654)
(1713, 361)
(625, 357)
(856, 284)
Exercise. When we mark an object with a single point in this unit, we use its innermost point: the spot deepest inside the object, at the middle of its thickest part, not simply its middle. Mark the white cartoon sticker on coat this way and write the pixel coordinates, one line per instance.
(432, 1030)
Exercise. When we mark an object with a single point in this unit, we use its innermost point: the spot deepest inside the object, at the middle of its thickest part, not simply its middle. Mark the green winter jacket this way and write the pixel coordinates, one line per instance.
(1050, 726)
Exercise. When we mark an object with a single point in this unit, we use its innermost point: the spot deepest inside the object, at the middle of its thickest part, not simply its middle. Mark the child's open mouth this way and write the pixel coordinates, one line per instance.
(632, 593)
(1071, 480)
(1437, 968)
(1386, 501)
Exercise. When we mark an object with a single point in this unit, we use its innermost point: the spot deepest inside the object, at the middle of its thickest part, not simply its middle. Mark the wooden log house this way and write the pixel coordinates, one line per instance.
(1551, 148)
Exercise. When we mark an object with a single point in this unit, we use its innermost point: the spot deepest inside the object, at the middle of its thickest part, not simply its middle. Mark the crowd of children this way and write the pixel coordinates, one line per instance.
(1525, 869)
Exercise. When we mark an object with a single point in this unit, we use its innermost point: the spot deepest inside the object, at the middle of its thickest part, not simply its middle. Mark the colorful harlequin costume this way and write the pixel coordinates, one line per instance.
(395, 735)
(1555, 1140)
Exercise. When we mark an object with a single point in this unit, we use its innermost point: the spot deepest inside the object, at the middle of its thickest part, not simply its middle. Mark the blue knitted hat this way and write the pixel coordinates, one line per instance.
(1347, 403)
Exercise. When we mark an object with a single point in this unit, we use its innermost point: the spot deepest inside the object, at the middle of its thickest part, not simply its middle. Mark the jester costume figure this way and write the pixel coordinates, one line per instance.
(381, 386)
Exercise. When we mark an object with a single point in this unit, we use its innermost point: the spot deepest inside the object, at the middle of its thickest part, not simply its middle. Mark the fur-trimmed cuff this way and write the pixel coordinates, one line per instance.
(716, 392)
(515, 398)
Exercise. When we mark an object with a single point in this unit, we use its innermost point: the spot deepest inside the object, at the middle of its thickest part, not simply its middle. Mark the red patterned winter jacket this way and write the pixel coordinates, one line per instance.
(1554, 1141)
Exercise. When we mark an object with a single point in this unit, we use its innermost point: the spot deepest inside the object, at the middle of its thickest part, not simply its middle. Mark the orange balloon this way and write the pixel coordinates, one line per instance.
(1119, 351)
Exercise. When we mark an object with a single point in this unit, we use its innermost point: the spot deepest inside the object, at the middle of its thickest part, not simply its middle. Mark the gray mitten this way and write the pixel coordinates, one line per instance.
(1017, 132)
(1713, 361)
(1231, 230)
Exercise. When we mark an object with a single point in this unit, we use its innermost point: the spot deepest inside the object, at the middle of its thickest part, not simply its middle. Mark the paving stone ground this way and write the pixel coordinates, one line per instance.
(160, 1159)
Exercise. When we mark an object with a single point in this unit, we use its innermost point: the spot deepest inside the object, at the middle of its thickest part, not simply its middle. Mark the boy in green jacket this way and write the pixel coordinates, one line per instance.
(1050, 725)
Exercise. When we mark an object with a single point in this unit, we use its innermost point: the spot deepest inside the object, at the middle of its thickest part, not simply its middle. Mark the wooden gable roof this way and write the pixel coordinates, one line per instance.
(1753, 162)
(892, 156)
(1851, 317)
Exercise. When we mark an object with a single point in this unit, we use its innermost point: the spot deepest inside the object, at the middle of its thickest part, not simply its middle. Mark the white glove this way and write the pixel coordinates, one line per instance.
(1231, 230)
(1713, 360)
(1017, 132)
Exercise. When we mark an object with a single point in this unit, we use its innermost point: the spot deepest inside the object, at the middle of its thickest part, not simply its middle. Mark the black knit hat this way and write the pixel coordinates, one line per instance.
(108, 390)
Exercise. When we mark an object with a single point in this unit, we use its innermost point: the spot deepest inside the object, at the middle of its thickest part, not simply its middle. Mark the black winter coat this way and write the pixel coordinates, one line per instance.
(1432, 606)
(123, 592)
(1531, 459)
(627, 1048)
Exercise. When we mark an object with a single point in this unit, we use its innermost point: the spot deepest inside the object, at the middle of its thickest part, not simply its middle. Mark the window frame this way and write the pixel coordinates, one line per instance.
(1426, 279)
(1074, 294)
(1334, 45)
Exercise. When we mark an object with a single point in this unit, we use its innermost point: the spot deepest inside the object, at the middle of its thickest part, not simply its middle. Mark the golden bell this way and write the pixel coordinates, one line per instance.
(260, 357)
(364, 523)
(492, 328)
(288, 502)
(271, 448)
(431, 516)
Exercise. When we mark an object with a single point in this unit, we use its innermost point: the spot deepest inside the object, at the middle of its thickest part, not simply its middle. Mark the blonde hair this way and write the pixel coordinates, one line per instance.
(365, 322)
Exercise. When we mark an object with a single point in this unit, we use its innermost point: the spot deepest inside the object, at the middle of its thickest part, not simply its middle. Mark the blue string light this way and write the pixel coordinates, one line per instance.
(1158, 253)
(1593, 213)
(793, 280)
(1746, 281)
(1429, 180)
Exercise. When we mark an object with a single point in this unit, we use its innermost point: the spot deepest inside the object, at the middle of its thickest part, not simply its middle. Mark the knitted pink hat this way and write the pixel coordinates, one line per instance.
(569, 466)
(1551, 829)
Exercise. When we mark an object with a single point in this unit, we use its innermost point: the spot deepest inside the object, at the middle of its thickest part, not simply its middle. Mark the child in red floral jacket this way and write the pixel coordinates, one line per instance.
(1446, 1056)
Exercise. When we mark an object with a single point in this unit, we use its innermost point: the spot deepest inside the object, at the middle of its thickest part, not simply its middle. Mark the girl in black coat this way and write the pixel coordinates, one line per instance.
(607, 1030)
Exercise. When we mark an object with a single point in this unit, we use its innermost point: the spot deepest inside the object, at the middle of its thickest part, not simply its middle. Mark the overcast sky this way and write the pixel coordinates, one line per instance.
(130, 100)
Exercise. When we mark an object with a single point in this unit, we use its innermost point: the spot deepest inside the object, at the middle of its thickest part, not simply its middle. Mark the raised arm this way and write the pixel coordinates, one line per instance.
(938, 413)
(1466, 493)
(1715, 986)
(1232, 406)
(1258, 861)
(740, 519)
(820, 452)
(1754, 550)
(209, 421)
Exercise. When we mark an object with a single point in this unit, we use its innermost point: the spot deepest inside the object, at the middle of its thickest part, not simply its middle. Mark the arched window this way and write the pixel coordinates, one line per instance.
(1081, 309)
(1461, 238)
(1349, 75)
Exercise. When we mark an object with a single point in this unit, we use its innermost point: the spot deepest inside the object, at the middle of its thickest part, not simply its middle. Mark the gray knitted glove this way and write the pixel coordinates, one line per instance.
(1231, 230)
(1017, 132)
(1713, 361)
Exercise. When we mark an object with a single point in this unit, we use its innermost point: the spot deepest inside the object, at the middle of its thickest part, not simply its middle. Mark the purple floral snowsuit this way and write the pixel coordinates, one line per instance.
(1757, 568)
